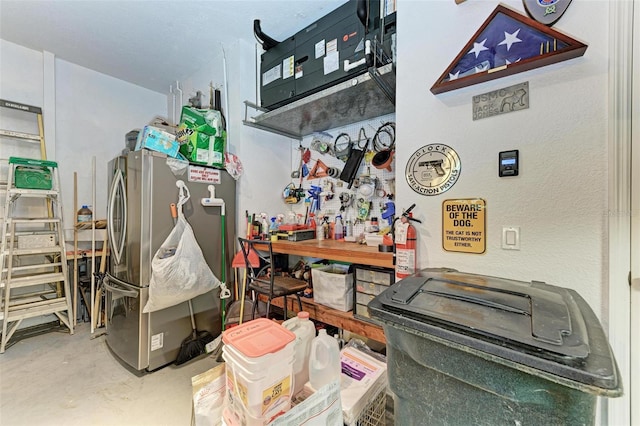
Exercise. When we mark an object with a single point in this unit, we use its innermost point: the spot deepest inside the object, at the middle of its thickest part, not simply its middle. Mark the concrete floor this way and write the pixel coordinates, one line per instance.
(61, 379)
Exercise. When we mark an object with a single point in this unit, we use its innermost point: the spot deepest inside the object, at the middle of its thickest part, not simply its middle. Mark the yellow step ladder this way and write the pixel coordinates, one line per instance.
(28, 137)
(33, 264)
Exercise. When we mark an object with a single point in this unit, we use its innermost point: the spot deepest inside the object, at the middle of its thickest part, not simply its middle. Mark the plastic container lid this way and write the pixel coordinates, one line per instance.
(303, 314)
(536, 324)
(258, 337)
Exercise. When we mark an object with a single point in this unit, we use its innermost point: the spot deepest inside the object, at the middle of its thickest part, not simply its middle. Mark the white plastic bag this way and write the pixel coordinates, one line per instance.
(179, 271)
(209, 389)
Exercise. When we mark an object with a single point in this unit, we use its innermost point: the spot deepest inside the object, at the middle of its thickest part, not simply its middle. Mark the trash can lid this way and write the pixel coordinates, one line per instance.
(530, 323)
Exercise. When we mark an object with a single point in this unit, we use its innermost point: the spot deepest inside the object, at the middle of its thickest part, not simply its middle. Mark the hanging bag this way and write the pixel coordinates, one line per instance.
(179, 271)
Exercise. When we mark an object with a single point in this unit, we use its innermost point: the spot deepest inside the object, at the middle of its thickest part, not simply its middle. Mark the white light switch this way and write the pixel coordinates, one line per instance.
(511, 238)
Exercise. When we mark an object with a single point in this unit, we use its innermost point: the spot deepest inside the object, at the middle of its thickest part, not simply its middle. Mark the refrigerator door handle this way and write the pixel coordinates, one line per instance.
(118, 246)
(118, 293)
(118, 289)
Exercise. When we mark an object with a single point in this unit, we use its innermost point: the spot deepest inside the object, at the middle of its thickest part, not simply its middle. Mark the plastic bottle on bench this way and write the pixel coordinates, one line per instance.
(320, 230)
(324, 360)
(339, 229)
(305, 331)
(264, 226)
(326, 229)
(312, 222)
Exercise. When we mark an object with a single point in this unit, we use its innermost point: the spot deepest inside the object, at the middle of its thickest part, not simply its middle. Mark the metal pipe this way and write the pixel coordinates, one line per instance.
(179, 90)
(173, 105)
(226, 93)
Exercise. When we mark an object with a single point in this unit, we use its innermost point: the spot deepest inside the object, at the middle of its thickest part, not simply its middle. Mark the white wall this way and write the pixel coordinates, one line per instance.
(93, 114)
(92, 111)
(21, 74)
(21, 80)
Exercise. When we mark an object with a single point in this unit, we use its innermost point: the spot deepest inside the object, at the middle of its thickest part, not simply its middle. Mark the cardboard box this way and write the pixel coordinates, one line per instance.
(157, 140)
(36, 241)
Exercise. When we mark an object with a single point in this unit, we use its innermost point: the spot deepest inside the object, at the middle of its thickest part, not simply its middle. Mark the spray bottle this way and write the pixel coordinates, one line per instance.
(273, 228)
(265, 226)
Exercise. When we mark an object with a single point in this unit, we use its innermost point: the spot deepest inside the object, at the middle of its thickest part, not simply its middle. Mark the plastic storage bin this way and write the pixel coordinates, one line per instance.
(259, 369)
(486, 350)
(333, 286)
(33, 174)
(369, 282)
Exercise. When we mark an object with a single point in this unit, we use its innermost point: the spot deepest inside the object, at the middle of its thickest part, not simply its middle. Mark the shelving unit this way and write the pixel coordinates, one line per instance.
(365, 96)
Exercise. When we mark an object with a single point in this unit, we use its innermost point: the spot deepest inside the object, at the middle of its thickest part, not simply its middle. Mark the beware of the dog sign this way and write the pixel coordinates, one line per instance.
(463, 225)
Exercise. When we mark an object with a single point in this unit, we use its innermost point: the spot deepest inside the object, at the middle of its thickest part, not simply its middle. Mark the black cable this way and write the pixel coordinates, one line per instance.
(341, 149)
(388, 128)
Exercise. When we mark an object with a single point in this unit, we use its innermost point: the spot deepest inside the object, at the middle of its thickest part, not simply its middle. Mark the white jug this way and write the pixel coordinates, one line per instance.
(324, 360)
(305, 331)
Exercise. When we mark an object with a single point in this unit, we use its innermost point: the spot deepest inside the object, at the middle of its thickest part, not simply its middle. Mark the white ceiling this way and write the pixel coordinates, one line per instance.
(149, 43)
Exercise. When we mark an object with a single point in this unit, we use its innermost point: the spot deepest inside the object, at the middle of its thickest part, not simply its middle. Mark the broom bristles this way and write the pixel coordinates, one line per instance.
(190, 350)
(193, 346)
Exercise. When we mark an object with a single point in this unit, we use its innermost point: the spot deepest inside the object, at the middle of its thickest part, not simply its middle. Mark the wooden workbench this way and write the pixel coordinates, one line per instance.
(335, 250)
(342, 252)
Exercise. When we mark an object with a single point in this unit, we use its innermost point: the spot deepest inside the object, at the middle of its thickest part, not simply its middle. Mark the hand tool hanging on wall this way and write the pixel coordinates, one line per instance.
(297, 173)
(356, 154)
(318, 171)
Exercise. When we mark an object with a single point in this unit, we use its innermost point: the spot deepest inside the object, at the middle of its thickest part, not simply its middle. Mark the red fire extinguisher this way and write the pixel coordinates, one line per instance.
(405, 239)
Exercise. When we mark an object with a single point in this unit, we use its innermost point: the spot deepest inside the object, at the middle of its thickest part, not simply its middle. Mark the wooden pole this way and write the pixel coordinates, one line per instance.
(75, 249)
(94, 314)
(103, 268)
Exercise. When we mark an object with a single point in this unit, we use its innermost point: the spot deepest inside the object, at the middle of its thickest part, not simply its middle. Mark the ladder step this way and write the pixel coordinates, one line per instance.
(20, 135)
(33, 192)
(33, 220)
(35, 309)
(39, 250)
(28, 280)
(31, 297)
(32, 267)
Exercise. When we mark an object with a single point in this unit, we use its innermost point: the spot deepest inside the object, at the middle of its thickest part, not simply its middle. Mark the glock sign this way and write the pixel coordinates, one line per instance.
(433, 169)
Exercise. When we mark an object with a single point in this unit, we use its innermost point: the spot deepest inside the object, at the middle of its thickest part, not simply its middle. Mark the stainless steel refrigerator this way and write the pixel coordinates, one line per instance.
(142, 187)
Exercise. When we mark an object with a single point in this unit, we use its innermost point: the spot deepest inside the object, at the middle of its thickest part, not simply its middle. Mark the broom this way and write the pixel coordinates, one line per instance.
(195, 344)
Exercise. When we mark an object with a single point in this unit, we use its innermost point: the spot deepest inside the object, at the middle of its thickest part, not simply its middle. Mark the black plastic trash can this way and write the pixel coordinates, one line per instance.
(466, 349)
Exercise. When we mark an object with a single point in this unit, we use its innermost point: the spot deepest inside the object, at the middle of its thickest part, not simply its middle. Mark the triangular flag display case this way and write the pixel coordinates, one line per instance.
(507, 43)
